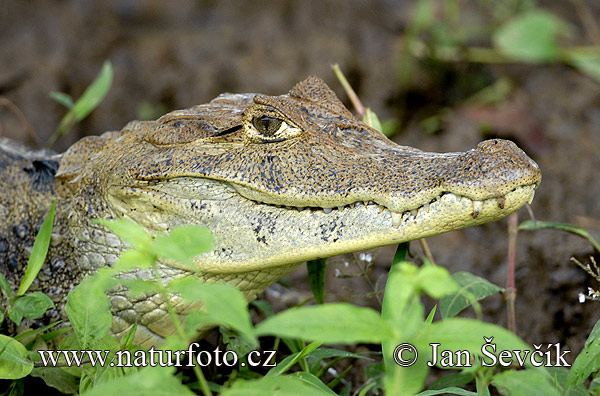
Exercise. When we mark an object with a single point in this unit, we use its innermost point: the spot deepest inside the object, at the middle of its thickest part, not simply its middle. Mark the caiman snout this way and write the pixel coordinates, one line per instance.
(508, 163)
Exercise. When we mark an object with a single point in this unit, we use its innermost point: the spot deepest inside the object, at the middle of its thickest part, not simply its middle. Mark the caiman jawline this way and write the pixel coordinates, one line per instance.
(400, 217)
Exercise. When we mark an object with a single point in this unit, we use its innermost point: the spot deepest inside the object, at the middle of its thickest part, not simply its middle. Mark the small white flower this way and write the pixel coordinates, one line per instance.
(581, 298)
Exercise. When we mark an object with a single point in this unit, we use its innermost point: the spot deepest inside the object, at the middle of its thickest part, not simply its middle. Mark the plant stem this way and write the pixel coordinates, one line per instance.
(171, 310)
(510, 293)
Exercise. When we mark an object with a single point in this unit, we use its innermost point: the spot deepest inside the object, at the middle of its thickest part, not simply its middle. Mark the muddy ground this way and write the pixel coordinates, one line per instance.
(185, 53)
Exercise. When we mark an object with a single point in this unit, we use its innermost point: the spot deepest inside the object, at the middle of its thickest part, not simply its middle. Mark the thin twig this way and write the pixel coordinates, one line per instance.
(588, 21)
(510, 294)
(426, 250)
(530, 212)
(28, 127)
(360, 108)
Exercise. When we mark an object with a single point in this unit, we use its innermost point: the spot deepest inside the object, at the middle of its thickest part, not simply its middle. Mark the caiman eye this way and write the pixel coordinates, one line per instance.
(268, 126)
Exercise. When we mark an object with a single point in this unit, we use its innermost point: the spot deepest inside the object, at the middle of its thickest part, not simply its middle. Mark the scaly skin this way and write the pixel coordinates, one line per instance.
(308, 181)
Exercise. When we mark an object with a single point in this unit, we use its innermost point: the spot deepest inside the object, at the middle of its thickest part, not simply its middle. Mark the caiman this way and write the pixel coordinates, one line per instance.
(279, 180)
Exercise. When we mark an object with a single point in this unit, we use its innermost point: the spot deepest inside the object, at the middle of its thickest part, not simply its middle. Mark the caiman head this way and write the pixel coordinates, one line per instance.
(280, 180)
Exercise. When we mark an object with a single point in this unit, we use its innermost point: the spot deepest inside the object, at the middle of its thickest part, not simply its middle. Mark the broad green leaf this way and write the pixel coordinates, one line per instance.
(530, 225)
(528, 382)
(435, 281)
(33, 305)
(137, 287)
(403, 309)
(183, 243)
(279, 385)
(587, 362)
(316, 278)
(531, 37)
(560, 378)
(127, 230)
(314, 382)
(223, 303)
(57, 378)
(14, 362)
(38, 252)
(452, 381)
(88, 308)
(62, 98)
(149, 381)
(467, 334)
(15, 314)
(335, 323)
(472, 288)
(595, 333)
(134, 258)
(90, 99)
(5, 287)
(451, 390)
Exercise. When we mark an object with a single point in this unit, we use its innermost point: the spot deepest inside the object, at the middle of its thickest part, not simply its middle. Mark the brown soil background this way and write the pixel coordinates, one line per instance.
(180, 53)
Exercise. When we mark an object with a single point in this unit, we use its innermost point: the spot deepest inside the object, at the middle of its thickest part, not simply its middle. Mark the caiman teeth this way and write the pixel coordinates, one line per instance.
(422, 210)
(531, 199)
(396, 219)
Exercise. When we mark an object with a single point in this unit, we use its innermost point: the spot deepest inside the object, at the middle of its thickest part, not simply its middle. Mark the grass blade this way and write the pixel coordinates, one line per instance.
(38, 252)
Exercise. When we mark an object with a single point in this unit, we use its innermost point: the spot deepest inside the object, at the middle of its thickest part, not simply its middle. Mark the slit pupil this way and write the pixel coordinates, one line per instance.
(267, 125)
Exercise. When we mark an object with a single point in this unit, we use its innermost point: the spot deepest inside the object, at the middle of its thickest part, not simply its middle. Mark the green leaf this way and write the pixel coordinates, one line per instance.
(316, 278)
(312, 381)
(279, 385)
(325, 353)
(183, 243)
(223, 303)
(129, 231)
(33, 305)
(57, 378)
(335, 323)
(588, 360)
(528, 382)
(38, 252)
(467, 334)
(14, 362)
(62, 98)
(5, 286)
(451, 390)
(401, 253)
(88, 308)
(530, 225)
(15, 314)
(531, 37)
(472, 288)
(585, 60)
(137, 287)
(90, 99)
(292, 359)
(370, 118)
(452, 380)
(134, 258)
(435, 281)
(149, 381)
(402, 307)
